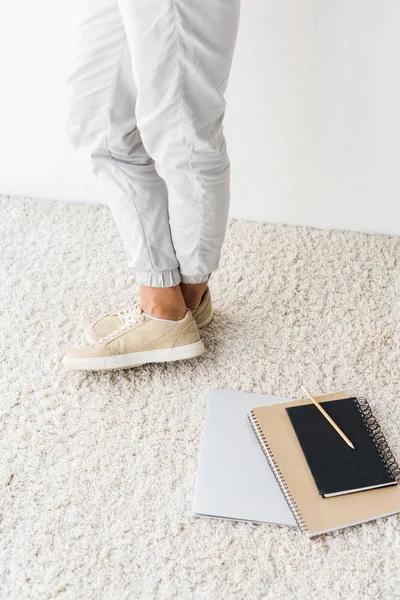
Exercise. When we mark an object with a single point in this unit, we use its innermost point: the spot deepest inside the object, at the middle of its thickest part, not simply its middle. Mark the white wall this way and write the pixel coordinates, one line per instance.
(36, 158)
(313, 121)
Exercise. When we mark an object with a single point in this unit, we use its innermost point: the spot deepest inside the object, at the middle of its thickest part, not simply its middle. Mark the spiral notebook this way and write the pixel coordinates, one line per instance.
(315, 514)
(338, 469)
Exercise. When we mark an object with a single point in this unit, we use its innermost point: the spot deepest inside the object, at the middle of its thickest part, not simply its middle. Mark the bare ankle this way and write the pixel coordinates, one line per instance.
(163, 303)
(193, 293)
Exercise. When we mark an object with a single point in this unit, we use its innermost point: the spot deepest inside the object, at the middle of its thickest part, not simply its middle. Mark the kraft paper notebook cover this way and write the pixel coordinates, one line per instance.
(314, 514)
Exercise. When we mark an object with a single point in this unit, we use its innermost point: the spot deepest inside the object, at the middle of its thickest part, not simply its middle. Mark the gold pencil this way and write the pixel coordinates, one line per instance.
(328, 418)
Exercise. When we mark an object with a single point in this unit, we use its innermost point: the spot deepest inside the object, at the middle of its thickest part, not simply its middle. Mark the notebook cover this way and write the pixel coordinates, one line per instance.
(233, 478)
(317, 514)
(335, 466)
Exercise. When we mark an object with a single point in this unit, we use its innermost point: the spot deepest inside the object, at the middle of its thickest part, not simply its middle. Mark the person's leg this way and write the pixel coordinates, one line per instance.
(182, 77)
(181, 52)
(163, 303)
(193, 293)
(102, 124)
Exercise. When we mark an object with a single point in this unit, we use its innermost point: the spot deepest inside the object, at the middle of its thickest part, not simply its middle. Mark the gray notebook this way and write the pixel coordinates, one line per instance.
(234, 481)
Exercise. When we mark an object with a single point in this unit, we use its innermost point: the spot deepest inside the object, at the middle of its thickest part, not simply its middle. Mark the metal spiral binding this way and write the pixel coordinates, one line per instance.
(277, 473)
(379, 439)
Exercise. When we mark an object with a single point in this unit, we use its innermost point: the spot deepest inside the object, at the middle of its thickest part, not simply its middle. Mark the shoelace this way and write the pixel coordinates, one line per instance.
(128, 317)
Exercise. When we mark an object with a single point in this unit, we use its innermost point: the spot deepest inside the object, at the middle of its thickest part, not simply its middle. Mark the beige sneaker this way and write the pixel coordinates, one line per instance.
(139, 341)
(110, 322)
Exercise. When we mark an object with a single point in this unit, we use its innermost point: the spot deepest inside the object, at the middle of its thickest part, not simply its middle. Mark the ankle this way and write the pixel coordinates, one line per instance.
(163, 303)
(193, 294)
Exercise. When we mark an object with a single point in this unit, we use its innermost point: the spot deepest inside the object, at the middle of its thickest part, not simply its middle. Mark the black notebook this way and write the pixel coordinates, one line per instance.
(338, 469)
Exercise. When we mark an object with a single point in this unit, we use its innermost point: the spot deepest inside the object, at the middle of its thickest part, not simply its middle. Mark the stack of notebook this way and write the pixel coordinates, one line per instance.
(276, 460)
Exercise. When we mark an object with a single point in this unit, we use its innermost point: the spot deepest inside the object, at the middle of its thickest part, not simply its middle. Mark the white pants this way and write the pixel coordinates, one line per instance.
(146, 105)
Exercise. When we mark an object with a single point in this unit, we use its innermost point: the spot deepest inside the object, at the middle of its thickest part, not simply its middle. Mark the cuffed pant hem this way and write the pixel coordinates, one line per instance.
(195, 278)
(158, 278)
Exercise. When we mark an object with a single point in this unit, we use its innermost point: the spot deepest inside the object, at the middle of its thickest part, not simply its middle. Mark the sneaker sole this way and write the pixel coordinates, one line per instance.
(92, 341)
(135, 359)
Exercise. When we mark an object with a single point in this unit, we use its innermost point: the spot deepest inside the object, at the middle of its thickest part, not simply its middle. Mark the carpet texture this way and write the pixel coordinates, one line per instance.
(97, 470)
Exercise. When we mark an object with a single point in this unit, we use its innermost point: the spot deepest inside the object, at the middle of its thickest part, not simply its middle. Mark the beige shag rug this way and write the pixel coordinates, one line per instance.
(97, 471)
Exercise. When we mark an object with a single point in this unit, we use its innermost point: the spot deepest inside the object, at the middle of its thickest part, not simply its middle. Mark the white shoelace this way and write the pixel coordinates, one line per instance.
(128, 317)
